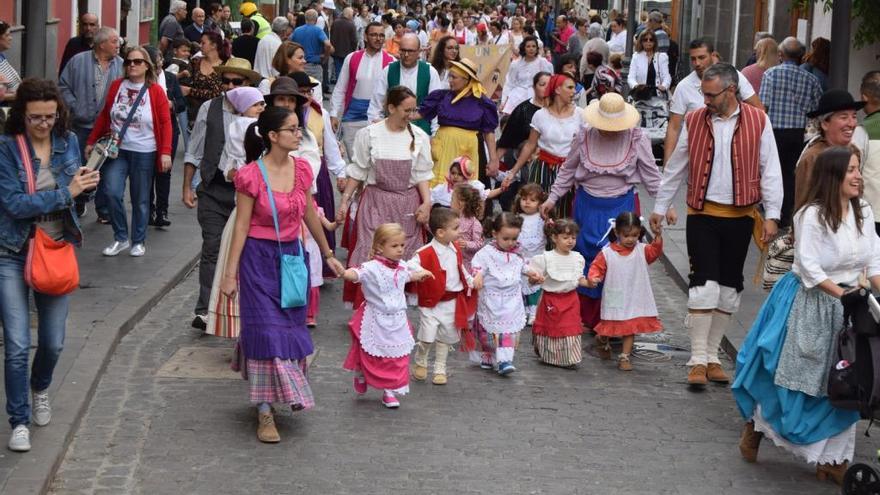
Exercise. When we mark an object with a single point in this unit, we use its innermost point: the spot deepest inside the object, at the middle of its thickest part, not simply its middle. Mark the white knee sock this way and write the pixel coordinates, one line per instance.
(421, 357)
(441, 351)
(720, 321)
(698, 325)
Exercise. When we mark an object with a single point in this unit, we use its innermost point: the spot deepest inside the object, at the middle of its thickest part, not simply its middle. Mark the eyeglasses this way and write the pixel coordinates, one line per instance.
(713, 95)
(134, 61)
(41, 119)
(235, 81)
(295, 130)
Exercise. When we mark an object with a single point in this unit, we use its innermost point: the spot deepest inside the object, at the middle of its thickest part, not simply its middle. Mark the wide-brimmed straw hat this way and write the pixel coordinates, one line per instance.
(611, 113)
(467, 66)
(835, 100)
(285, 86)
(239, 66)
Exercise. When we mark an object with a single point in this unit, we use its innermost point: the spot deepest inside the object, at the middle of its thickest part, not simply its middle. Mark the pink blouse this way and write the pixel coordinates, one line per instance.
(470, 239)
(291, 206)
(608, 165)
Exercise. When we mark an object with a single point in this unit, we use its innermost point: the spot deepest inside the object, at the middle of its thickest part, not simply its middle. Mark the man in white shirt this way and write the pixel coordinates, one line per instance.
(269, 45)
(688, 96)
(617, 43)
(728, 173)
(351, 98)
(405, 72)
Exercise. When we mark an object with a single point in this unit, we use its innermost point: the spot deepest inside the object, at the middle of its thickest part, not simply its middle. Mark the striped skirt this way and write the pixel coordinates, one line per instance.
(281, 381)
(543, 173)
(558, 351)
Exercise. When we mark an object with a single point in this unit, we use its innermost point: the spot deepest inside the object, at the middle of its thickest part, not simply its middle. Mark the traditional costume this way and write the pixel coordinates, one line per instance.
(531, 243)
(556, 334)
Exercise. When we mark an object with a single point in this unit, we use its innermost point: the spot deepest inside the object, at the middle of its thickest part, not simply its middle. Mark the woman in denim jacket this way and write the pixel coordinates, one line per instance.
(39, 113)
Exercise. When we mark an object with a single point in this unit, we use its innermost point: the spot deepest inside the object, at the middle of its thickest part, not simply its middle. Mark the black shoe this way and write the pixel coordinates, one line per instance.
(152, 221)
(200, 322)
(161, 220)
(81, 209)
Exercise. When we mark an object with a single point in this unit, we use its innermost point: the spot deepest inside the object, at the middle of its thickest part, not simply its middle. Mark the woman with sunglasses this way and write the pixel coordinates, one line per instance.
(649, 70)
(38, 113)
(144, 148)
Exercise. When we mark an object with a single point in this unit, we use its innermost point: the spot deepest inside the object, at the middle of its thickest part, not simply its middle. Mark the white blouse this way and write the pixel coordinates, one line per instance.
(561, 272)
(557, 135)
(820, 254)
(233, 156)
(518, 85)
(385, 330)
(377, 142)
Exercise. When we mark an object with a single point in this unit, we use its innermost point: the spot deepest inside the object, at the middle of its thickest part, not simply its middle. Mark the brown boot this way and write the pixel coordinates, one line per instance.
(716, 374)
(697, 375)
(833, 471)
(603, 348)
(749, 442)
(266, 431)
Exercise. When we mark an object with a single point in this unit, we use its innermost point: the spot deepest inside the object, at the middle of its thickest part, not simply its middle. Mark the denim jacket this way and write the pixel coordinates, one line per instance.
(18, 209)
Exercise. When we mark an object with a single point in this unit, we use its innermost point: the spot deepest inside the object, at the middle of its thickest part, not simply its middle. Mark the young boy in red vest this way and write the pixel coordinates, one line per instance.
(443, 299)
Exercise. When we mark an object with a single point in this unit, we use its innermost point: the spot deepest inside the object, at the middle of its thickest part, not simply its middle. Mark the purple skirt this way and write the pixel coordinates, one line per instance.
(324, 198)
(267, 330)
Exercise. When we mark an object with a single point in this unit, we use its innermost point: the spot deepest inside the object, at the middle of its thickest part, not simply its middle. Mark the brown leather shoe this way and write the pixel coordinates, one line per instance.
(749, 442)
(419, 373)
(266, 431)
(623, 363)
(697, 375)
(603, 348)
(833, 471)
(715, 373)
(439, 379)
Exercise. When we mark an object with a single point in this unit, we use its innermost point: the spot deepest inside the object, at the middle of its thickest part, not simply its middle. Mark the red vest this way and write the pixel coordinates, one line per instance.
(431, 290)
(353, 64)
(744, 156)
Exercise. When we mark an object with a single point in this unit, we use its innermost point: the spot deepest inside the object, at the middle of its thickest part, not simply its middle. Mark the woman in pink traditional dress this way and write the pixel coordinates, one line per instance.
(392, 158)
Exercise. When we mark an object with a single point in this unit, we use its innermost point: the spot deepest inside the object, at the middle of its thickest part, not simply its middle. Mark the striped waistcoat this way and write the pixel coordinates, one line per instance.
(744, 156)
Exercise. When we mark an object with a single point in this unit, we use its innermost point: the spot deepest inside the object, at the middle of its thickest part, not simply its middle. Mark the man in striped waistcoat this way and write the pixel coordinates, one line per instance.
(728, 154)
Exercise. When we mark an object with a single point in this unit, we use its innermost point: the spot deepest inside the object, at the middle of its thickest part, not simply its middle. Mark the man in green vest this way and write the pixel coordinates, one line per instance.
(250, 10)
(409, 71)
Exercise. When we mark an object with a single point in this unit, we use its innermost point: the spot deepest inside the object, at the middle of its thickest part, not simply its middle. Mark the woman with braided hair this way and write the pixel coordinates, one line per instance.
(392, 159)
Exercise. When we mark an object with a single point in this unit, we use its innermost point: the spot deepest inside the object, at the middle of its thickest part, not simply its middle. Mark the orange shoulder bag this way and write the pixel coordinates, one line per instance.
(51, 267)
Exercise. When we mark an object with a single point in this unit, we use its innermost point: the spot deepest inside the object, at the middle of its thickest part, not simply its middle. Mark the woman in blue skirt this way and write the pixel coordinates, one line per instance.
(274, 341)
(782, 368)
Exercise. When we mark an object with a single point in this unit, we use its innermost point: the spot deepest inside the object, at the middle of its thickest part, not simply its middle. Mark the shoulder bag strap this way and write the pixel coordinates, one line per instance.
(271, 201)
(137, 101)
(25, 153)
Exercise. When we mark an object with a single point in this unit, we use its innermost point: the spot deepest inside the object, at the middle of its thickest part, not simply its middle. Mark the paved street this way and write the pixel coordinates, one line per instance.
(542, 430)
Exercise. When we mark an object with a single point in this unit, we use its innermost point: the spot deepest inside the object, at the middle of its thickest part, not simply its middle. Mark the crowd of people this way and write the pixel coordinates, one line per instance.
(488, 212)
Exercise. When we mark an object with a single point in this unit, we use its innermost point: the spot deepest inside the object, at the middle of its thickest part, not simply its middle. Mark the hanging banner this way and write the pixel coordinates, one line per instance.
(492, 64)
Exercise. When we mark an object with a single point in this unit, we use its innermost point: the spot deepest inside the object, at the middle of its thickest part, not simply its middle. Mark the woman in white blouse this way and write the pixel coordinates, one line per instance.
(783, 365)
(392, 159)
(518, 86)
(649, 69)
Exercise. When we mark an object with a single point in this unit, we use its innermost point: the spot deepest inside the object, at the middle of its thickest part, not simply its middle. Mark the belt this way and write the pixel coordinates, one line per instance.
(550, 158)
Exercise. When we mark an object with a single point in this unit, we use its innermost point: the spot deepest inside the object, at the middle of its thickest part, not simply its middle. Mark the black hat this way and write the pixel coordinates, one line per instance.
(303, 80)
(286, 86)
(835, 100)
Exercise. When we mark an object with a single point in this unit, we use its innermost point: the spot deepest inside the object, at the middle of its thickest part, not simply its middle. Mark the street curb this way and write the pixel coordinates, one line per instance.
(80, 384)
(681, 281)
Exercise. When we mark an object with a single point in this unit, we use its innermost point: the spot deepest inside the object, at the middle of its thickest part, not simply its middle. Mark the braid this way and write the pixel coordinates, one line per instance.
(412, 135)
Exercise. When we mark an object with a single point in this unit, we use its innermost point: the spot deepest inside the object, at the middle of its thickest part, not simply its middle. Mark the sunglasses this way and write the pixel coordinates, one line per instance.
(134, 61)
(232, 80)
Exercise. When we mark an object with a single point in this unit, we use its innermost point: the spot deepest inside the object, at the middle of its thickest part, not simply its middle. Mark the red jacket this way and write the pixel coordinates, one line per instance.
(161, 119)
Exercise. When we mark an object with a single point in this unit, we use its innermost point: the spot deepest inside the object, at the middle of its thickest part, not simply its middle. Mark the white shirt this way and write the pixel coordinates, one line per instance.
(820, 254)
(448, 259)
(518, 85)
(617, 43)
(409, 77)
(308, 150)
(688, 96)
(376, 141)
(384, 329)
(234, 156)
(140, 136)
(369, 71)
(265, 53)
(556, 135)
(638, 71)
(561, 272)
(720, 189)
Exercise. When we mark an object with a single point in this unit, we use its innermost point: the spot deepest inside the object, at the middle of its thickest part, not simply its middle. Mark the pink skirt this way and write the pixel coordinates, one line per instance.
(383, 373)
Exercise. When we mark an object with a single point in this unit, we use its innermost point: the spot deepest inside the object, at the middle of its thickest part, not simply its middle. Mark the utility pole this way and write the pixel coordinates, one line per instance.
(35, 18)
(841, 14)
(630, 31)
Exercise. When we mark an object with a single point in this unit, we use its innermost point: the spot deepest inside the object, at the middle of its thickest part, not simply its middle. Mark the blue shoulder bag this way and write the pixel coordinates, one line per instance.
(294, 273)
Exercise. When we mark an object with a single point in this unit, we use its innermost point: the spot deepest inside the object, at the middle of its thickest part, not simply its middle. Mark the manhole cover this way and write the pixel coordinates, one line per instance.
(208, 363)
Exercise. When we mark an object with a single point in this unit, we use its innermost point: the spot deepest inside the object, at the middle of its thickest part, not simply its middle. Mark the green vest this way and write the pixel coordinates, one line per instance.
(423, 81)
(263, 26)
(872, 125)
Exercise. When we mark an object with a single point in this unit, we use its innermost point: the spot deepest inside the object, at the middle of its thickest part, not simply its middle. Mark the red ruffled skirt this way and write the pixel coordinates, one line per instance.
(384, 373)
(625, 328)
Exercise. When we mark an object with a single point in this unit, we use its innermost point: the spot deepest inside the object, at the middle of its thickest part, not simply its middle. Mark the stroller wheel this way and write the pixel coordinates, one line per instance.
(861, 479)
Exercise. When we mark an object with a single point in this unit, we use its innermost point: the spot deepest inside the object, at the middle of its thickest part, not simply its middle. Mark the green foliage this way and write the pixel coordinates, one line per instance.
(864, 13)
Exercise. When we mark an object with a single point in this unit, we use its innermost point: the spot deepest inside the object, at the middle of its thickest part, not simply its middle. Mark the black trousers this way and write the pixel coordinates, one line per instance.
(789, 144)
(160, 189)
(216, 201)
(717, 249)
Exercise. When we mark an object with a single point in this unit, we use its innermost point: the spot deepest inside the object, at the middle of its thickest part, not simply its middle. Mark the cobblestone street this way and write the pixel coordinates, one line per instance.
(541, 430)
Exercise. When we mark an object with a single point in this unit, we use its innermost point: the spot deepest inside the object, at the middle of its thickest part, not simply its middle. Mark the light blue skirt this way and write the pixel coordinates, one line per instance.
(799, 418)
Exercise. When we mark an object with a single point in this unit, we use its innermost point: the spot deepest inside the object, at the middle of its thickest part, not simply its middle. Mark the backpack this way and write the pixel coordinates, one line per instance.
(854, 378)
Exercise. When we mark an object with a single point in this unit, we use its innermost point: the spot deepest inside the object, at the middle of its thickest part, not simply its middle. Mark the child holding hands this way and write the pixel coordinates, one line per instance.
(381, 336)
(628, 305)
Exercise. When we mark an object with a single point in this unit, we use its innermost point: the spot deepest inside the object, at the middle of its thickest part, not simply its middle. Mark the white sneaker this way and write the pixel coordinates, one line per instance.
(138, 250)
(115, 248)
(20, 440)
(42, 411)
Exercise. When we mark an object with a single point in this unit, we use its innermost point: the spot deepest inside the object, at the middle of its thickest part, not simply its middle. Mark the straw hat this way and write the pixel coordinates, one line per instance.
(467, 66)
(241, 67)
(611, 113)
